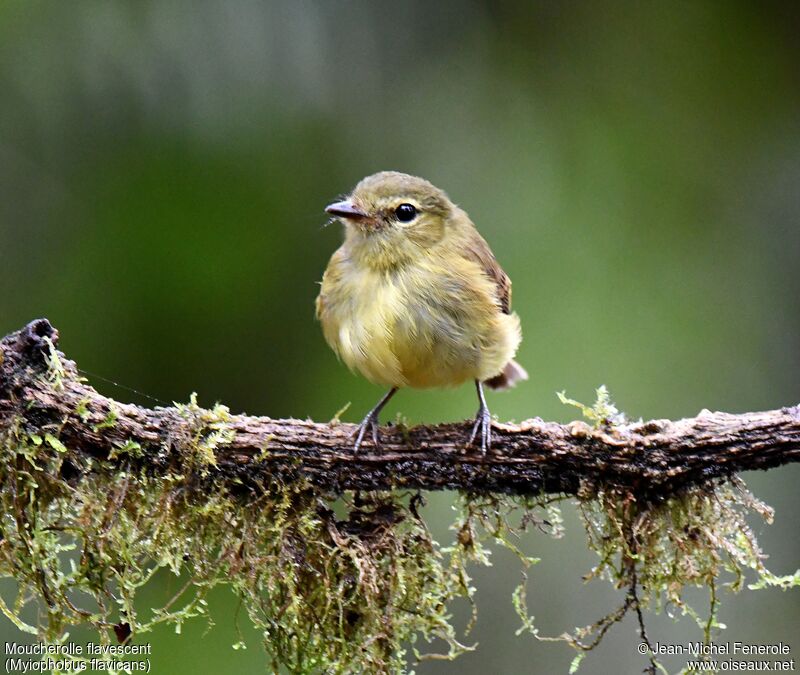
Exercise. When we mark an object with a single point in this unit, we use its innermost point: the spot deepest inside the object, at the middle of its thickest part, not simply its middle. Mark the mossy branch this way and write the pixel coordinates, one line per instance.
(654, 459)
(101, 496)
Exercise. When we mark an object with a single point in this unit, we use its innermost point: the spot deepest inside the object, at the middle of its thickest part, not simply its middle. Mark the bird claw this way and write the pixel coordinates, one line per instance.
(483, 421)
(369, 422)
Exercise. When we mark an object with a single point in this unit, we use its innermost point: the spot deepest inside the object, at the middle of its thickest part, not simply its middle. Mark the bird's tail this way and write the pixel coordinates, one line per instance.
(508, 377)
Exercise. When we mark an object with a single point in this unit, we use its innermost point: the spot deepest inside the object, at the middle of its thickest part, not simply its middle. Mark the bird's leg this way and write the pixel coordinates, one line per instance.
(483, 421)
(371, 422)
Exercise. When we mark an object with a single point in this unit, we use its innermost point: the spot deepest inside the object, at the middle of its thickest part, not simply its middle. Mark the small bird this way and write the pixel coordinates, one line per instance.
(415, 298)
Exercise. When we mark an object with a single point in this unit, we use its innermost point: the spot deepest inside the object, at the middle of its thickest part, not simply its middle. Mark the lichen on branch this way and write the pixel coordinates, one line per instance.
(352, 593)
(100, 497)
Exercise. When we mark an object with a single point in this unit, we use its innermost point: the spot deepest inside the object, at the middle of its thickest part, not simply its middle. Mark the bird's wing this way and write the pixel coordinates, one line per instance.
(478, 250)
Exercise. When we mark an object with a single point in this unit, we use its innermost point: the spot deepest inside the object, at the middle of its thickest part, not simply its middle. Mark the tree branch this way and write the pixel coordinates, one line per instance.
(41, 392)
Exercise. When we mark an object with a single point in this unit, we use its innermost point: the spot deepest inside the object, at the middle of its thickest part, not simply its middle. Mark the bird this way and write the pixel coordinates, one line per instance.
(414, 297)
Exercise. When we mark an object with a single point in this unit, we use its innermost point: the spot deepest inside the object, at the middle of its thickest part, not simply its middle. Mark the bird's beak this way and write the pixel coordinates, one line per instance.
(346, 209)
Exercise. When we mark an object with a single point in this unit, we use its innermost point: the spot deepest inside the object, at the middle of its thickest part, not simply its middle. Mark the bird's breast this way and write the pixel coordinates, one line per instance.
(421, 326)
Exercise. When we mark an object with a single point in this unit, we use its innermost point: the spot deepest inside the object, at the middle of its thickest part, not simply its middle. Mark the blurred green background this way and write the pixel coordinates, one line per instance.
(635, 167)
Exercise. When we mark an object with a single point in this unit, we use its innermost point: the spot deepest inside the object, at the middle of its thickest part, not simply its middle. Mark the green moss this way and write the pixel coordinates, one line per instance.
(55, 368)
(699, 538)
(602, 412)
(212, 429)
(364, 591)
(82, 409)
(337, 418)
(109, 421)
(361, 587)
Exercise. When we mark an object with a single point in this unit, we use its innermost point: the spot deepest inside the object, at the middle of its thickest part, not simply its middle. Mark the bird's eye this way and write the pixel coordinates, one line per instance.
(405, 213)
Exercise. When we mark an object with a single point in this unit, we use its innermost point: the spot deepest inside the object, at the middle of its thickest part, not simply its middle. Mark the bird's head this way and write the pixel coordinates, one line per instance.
(390, 214)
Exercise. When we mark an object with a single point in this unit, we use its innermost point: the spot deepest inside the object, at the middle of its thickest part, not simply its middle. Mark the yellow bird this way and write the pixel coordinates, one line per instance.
(415, 298)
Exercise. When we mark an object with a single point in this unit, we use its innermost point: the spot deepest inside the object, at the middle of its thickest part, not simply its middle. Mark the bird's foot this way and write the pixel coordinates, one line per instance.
(483, 422)
(370, 422)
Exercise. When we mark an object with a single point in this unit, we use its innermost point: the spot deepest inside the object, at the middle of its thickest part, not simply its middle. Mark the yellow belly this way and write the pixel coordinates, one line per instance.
(421, 328)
